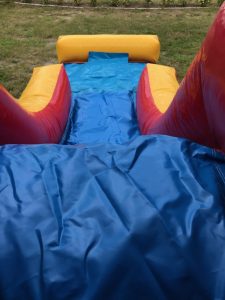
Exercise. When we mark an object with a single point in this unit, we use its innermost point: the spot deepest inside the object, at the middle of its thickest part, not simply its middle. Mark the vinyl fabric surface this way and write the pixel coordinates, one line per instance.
(143, 220)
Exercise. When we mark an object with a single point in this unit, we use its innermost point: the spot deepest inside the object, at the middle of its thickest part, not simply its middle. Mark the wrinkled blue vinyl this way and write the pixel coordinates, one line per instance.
(144, 220)
(103, 100)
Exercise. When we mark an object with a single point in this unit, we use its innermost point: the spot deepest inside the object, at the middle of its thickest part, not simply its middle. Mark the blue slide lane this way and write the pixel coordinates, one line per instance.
(103, 100)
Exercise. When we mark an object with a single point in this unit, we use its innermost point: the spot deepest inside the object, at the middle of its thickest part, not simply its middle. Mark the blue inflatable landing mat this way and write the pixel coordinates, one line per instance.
(143, 220)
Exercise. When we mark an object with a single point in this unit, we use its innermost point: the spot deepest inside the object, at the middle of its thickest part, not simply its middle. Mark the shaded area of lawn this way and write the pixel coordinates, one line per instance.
(28, 35)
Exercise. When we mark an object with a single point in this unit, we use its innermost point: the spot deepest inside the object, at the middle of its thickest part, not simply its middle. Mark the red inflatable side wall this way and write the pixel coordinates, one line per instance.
(198, 109)
(148, 113)
(46, 126)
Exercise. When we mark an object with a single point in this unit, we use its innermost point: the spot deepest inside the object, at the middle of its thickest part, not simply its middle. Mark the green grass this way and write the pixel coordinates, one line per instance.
(132, 3)
(28, 35)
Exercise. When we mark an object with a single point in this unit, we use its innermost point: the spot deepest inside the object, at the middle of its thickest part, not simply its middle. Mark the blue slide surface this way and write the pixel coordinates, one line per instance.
(103, 100)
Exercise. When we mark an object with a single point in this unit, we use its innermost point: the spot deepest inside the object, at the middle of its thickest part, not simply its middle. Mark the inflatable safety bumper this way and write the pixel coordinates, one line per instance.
(41, 113)
(76, 48)
(198, 108)
(156, 90)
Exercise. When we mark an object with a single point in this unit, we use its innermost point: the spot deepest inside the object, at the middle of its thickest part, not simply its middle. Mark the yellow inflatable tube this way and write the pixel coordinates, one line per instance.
(156, 89)
(163, 85)
(140, 48)
(40, 88)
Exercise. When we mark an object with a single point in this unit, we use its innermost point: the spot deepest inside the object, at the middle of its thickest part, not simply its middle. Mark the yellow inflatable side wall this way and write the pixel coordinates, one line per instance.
(163, 85)
(40, 88)
(75, 48)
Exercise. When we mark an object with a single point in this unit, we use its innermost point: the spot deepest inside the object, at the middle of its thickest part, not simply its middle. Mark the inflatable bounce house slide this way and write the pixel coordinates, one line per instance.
(112, 176)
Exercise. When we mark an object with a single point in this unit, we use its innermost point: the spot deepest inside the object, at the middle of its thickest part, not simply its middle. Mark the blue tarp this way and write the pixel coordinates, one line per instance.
(110, 218)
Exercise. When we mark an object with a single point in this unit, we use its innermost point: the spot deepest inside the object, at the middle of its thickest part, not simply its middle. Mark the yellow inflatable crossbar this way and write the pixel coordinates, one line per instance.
(75, 48)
